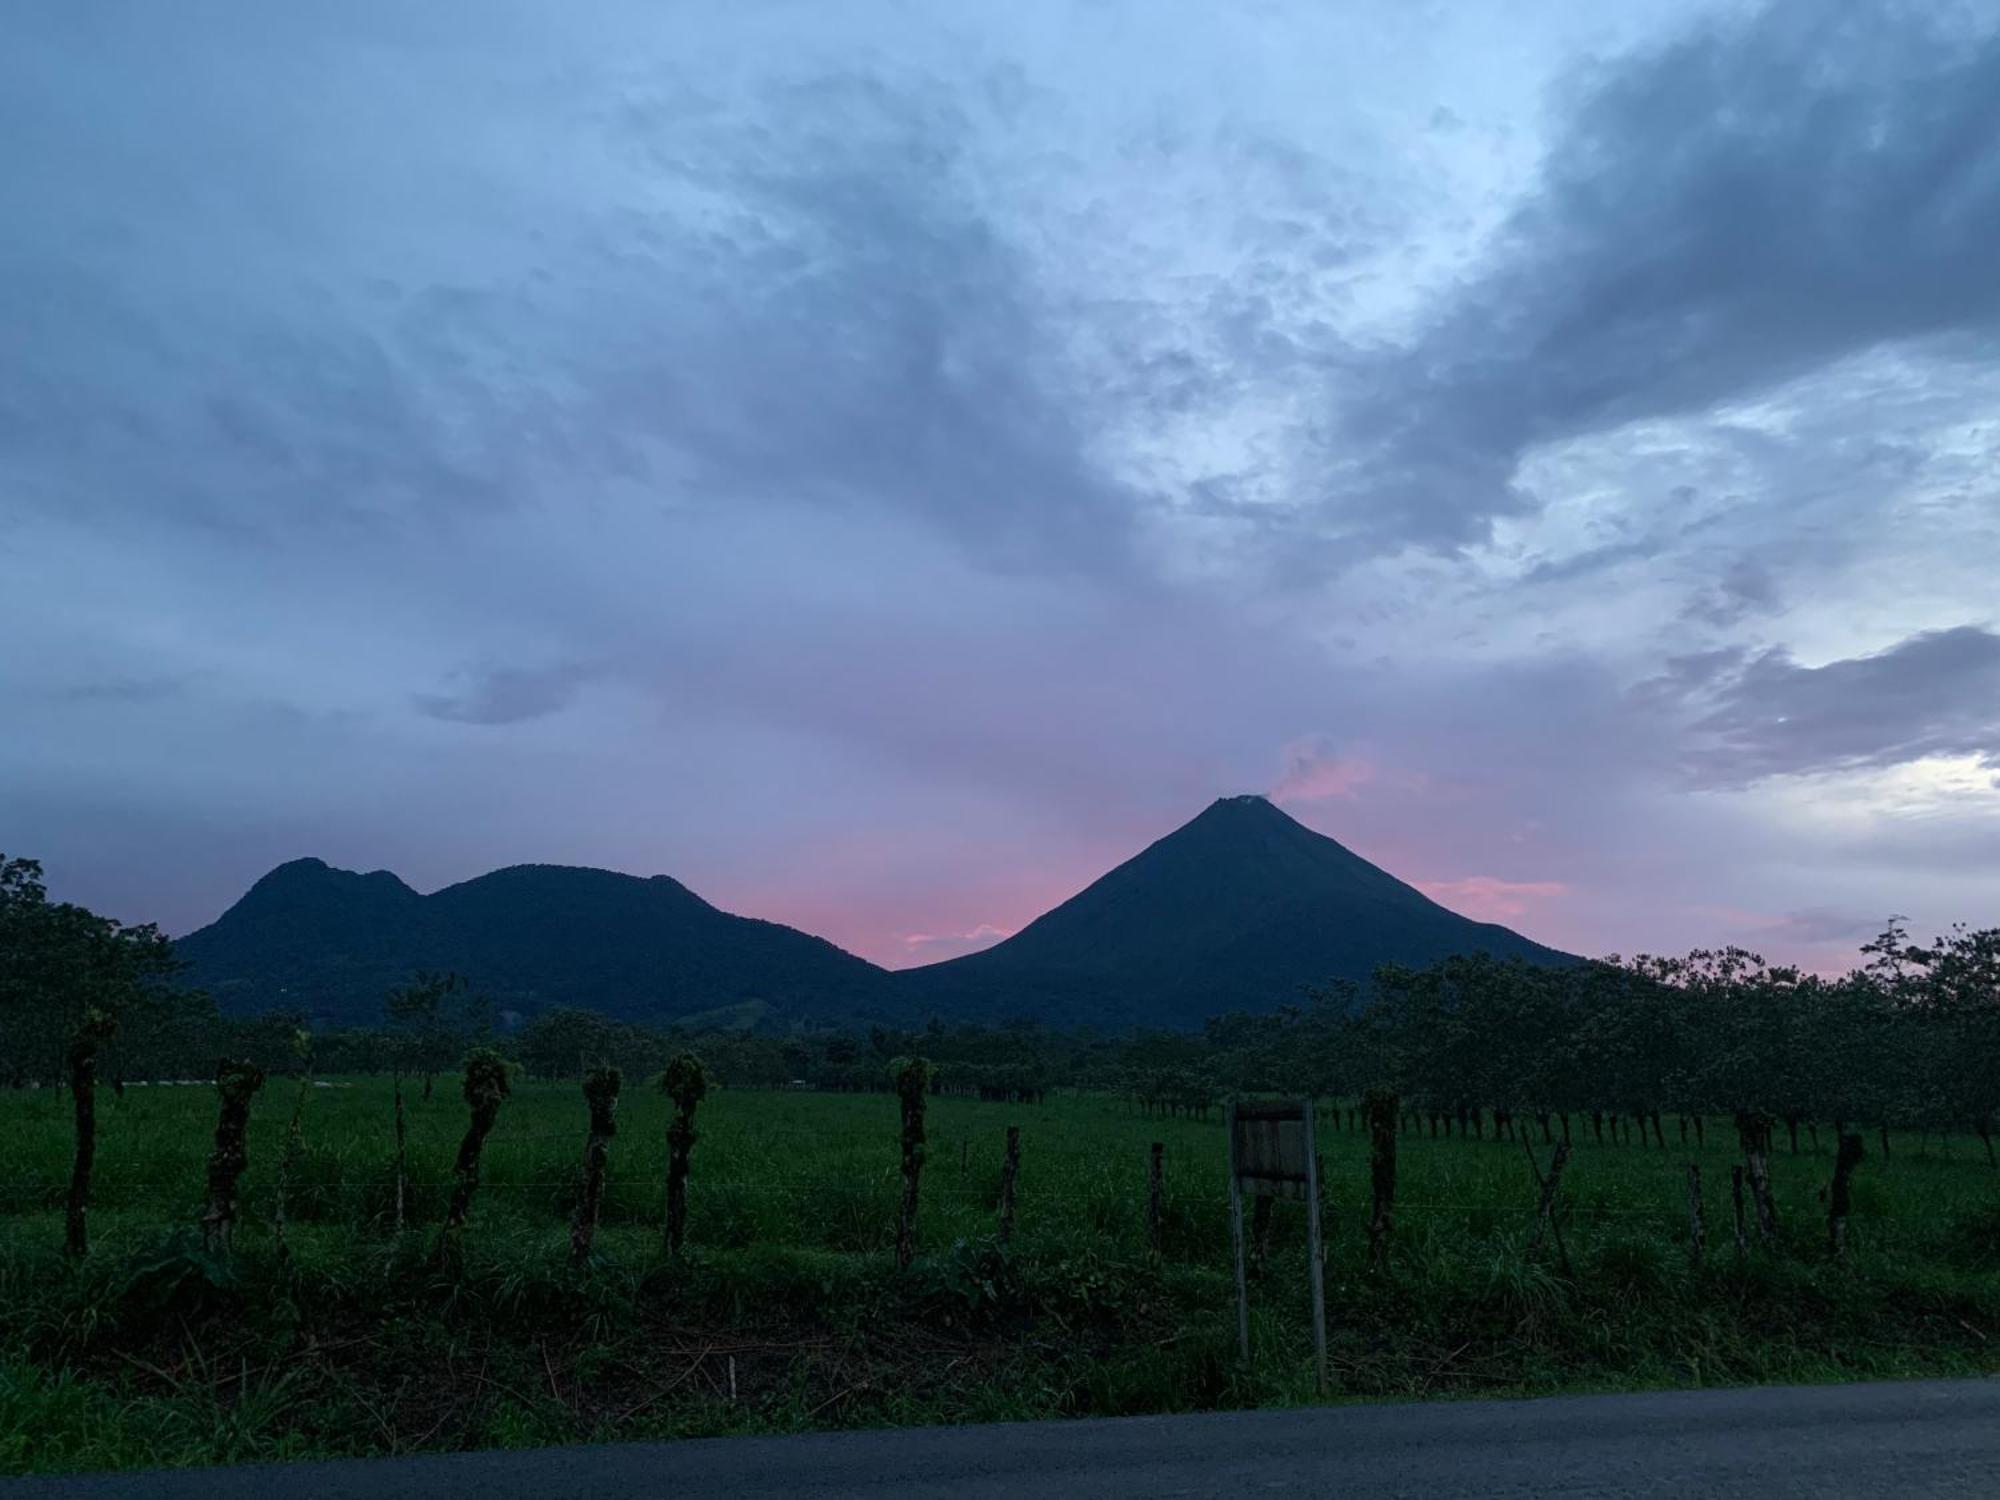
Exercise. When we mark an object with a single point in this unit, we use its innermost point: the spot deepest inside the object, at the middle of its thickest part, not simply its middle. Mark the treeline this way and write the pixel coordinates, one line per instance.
(1909, 1040)
(1016, 1065)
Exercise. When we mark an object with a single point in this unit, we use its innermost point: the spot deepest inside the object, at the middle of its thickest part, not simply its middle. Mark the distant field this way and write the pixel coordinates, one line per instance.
(789, 1291)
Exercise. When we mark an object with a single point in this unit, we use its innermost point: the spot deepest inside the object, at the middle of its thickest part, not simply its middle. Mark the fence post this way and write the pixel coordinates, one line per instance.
(1236, 1236)
(912, 1076)
(1010, 1167)
(484, 1085)
(1697, 1222)
(237, 1083)
(1156, 1194)
(684, 1081)
(1545, 1203)
(600, 1094)
(1314, 1253)
(95, 1028)
(1753, 1131)
(1736, 1203)
(402, 1150)
(1380, 1110)
(1839, 1197)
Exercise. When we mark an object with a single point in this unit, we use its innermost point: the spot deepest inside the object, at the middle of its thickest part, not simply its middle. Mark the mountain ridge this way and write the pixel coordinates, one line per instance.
(1237, 909)
(330, 942)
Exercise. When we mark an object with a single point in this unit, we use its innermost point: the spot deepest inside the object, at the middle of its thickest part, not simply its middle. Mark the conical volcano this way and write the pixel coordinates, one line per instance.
(1239, 909)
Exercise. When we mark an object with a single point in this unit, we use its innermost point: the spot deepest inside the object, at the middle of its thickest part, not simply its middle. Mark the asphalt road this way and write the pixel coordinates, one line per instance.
(1920, 1438)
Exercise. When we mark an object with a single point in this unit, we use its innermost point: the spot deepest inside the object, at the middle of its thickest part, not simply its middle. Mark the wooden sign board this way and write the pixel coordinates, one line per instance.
(1271, 1155)
(1268, 1149)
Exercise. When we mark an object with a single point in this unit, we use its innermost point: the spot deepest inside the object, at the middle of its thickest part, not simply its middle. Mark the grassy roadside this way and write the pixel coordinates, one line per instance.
(788, 1313)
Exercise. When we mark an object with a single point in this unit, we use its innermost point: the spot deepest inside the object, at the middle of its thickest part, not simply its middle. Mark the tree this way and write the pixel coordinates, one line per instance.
(58, 963)
(563, 1043)
(438, 1017)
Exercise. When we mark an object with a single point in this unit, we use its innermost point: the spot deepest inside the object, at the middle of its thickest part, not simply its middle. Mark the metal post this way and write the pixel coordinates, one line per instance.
(1236, 1235)
(1313, 1255)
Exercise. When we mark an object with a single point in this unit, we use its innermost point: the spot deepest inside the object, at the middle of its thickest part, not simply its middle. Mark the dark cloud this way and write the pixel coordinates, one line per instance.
(1820, 924)
(864, 333)
(793, 293)
(1760, 715)
(1747, 587)
(1716, 216)
(505, 695)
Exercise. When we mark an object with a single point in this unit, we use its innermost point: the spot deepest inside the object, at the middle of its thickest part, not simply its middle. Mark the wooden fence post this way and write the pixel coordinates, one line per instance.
(1315, 1252)
(294, 1144)
(95, 1028)
(1697, 1220)
(1839, 1198)
(1010, 1167)
(1736, 1204)
(1156, 1182)
(1545, 1203)
(1753, 1130)
(1236, 1238)
(1380, 1110)
(402, 1151)
(912, 1076)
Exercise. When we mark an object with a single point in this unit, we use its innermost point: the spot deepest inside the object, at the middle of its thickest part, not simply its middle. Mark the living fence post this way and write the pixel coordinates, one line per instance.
(1314, 1254)
(600, 1094)
(1156, 1194)
(484, 1085)
(1753, 1130)
(1010, 1167)
(1697, 1223)
(684, 1081)
(237, 1083)
(1236, 1236)
(1840, 1198)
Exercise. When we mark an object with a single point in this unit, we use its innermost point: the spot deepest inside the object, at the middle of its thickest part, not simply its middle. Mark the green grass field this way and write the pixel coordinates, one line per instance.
(788, 1311)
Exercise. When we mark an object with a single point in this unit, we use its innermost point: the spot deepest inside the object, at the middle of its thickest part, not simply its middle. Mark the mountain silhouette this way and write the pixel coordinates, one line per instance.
(1236, 910)
(332, 943)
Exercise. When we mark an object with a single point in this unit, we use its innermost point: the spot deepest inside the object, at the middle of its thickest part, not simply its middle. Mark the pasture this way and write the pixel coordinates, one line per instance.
(787, 1310)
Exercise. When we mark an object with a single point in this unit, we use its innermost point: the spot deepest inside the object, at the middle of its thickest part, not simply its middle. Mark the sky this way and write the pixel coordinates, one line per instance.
(883, 464)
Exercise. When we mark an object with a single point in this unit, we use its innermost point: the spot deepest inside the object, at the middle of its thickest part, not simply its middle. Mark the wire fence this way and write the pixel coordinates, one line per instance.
(769, 1179)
